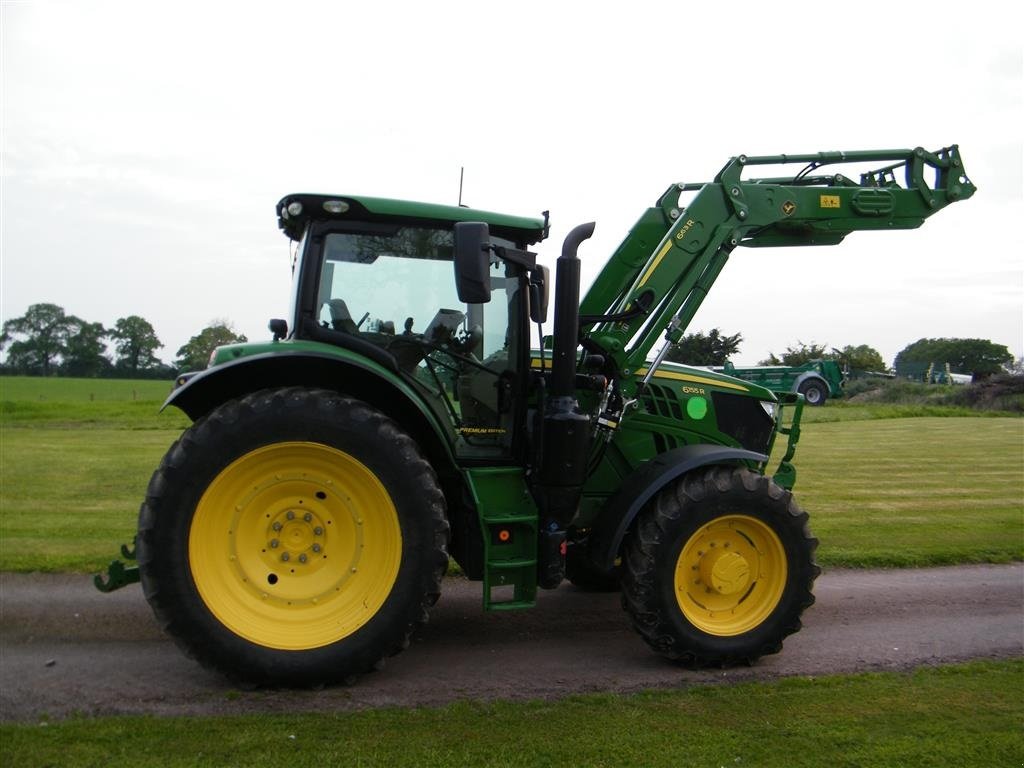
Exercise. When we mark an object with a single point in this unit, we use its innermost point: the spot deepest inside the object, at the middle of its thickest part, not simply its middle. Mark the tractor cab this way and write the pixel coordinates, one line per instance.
(380, 278)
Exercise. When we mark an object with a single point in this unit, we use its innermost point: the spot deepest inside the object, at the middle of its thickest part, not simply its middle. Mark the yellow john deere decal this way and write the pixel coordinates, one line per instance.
(788, 207)
(830, 201)
(694, 379)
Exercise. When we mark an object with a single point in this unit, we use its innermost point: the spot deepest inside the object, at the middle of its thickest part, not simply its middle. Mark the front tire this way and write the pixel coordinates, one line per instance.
(719, 569)
(294, 537)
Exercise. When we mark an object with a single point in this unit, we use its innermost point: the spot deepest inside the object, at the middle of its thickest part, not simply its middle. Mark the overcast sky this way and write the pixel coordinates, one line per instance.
(145, 145)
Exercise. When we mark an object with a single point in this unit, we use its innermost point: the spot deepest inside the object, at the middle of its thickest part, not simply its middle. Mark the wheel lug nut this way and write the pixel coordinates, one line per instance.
(274, 543)
(290, 515)
(307, 517)
(318, 531)
(302, 557)
(285, 557)
(316, 547)
(277, 526)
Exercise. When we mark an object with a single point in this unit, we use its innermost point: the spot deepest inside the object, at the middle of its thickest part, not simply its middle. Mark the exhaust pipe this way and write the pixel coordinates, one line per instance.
(567, 309)
(566, 432)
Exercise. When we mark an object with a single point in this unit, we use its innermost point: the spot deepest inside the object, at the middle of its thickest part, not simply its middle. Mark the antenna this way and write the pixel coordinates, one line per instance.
(462, 169)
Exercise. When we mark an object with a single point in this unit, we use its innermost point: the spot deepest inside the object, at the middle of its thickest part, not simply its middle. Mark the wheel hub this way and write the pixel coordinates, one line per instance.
(297, 536)
(725, 572)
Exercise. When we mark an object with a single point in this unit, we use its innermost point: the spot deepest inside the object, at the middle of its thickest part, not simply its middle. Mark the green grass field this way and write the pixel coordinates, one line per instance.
(969, 715)
(914, 491)
(66, 390)
(882, 488)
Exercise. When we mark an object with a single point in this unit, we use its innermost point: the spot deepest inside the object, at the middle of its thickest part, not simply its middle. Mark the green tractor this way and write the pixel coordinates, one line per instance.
(405, 413)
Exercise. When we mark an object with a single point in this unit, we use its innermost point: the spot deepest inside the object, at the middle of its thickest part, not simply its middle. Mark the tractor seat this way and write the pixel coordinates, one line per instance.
(341, 319)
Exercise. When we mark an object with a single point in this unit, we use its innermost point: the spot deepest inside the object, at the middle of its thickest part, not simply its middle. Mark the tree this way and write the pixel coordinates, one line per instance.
(136, 344)
(852, 358)
(798, 355)
(83, 354)
(859, 358)
(978, 356)
(45, 329)
(699, 348)
(195, 355)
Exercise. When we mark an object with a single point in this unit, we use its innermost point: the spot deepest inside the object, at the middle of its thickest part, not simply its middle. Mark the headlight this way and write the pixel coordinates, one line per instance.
(769, 408)
(335, 206)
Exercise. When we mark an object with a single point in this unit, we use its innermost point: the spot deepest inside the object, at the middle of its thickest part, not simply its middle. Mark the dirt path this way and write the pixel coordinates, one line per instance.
(65, 648)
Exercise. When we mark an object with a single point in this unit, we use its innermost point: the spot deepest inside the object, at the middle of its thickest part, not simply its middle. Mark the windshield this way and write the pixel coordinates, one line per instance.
(387, 283)
(395, 287)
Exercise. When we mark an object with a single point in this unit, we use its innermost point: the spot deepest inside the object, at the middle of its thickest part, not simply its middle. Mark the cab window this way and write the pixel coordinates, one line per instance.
(395, 288)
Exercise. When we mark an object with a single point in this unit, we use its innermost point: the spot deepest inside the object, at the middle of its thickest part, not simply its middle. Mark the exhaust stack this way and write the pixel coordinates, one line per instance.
(566, 432)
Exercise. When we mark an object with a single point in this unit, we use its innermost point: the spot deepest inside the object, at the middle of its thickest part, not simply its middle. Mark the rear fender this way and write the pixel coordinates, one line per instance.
(811, 376)
(640, 487)
(356, 377)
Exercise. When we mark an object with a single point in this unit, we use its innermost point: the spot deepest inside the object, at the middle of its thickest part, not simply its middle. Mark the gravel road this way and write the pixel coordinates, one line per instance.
(67, 649)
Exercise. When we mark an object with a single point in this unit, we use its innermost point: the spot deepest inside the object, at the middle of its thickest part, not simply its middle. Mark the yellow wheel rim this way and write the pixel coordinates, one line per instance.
(295, 546)
(730, 575)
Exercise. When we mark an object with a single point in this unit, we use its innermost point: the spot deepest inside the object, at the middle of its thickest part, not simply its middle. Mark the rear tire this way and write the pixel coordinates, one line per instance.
(719, 569)
(293, 537)
(815, 392)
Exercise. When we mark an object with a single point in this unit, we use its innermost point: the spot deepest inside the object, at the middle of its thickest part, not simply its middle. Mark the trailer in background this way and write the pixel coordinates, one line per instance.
(817, 380)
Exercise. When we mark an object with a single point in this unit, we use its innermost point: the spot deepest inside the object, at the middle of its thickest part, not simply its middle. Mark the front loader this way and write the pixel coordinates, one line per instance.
(297, 533)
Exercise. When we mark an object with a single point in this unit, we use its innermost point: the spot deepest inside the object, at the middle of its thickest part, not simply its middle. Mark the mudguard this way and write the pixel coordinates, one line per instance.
(809, 376)
(359, 378)
(641, 486)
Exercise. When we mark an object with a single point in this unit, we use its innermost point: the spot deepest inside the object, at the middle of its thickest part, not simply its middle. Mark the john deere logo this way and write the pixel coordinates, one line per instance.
(788, 207)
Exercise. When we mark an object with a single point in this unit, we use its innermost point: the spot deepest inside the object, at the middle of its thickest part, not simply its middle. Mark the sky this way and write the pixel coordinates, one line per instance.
(145, 145)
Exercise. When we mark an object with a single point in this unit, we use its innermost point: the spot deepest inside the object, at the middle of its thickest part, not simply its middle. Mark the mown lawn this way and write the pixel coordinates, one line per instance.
(965, 715)
(914, 491)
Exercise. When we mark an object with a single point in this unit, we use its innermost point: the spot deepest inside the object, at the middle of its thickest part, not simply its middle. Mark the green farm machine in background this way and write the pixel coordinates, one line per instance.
(816, 380)
(298, 531)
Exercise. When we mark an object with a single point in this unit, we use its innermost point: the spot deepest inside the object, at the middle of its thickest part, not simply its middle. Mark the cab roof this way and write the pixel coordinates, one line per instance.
(295, 211)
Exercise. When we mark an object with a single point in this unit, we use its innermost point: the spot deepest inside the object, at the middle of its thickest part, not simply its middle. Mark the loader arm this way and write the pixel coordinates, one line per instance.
(658, 276)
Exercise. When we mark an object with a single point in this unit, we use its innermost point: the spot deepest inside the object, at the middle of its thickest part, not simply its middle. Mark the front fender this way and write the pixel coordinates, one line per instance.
(640, 487)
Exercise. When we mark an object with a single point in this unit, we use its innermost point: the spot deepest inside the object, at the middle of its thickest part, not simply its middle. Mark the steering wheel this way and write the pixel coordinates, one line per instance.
(469, 341)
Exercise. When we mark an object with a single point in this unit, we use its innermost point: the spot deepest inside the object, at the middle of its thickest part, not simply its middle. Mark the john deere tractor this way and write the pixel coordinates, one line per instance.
(407, 412)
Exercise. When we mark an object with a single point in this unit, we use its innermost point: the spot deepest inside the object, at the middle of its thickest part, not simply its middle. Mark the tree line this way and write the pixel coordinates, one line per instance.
(47, 341)
(980, 357)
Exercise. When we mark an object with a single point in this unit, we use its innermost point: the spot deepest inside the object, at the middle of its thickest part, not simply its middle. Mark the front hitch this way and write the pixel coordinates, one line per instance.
(785, 475)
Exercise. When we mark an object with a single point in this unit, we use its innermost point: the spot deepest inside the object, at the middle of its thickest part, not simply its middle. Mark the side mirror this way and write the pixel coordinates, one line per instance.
(279, 328)
(472, 262)
(540, 279)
